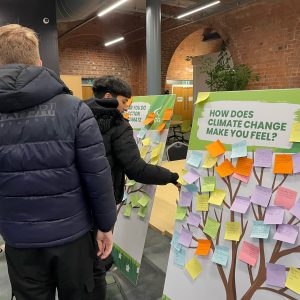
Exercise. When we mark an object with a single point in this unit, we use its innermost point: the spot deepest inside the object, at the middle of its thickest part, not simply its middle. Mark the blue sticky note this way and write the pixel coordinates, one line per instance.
(239, 149)
(179, 257)
(192, 188)
(221, 255)
(195, 159)
(156, 138)
(174, 241)
(142, 133)
(260, 230)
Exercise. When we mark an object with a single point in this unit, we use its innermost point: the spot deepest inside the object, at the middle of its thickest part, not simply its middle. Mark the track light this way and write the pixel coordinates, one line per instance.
(198, 9)
(114, 41)
(110, 8)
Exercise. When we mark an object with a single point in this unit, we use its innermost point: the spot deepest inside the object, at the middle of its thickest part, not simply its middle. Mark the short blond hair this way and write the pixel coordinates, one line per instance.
(18, 45)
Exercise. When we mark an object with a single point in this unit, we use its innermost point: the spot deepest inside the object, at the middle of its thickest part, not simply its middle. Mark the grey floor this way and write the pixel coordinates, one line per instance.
(151, 279)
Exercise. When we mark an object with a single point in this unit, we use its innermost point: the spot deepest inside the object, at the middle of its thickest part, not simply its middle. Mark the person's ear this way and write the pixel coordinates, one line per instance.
(107, 95)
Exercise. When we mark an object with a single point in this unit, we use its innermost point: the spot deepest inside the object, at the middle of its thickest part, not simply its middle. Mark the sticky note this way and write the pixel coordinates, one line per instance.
(242, 178)
(192, 188)
(155, 160)
(156, 138)
(150, 118)
(185, 237)
(249, 253)
(285, 197)
(127, 210)
(209, 161)
(211, 227)
(161, 127)
(244, 166)
(232, 231)
(295, 210)
(221, 255)
(276, 275)
(193, 267)
(202, 96)
(191, 176)
(142, 211)
(296, 163)
(295, 132)
(130, 183)
(283, 164)
(239, 149)
(240, 204)
(174, 242)
(168, 114)
(202, 202)
(142, 133)
(208, 184)
(225, 168)
(203, 247)
(134, 198)
(263, 158)
(181, 181)
(126, 116)
(195, 159)
(261, 196)
(293, 280)
(217, 197)
(179, 257)
(180, 213)
(143, 152)
(144, 200)
(193, 219)
(260, 230)
(216, 148)
(156, 150)
(146, 142)
(286, 233)
(185, 199)
(274, 215)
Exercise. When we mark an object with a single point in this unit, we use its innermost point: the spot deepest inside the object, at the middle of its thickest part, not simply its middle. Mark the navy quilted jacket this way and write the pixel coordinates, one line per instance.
(54, 176)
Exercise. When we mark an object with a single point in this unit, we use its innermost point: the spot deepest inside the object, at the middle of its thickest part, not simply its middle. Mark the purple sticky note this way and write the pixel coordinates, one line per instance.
(185, 237)
(193, 219)
(240, 204)
(287, 233)
(191, 176)
(185, 199)
(274, 215)
(263, 158)
(295, 210)
(261, 196)
(276, 275)
(296, 163)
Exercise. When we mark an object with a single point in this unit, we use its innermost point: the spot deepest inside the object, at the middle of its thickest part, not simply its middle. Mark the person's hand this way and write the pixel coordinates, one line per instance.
(105, 243)
(178, 185)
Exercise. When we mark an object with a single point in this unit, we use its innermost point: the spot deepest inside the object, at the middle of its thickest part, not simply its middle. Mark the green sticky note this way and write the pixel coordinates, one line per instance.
(181, 213)
(211, 227)
(134, 199)
(142, 211)
(144, 200)
(130, 183)
(127, 210)
(208, 184)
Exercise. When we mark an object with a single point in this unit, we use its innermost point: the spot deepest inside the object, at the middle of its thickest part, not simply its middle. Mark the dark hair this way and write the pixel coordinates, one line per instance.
(111, 84)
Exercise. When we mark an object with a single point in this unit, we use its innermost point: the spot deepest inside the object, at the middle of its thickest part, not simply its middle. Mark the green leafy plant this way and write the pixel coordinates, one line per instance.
(224, 77)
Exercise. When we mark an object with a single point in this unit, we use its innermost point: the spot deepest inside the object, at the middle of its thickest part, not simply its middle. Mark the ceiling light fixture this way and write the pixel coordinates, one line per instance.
(110, 8)
(114, 41)
(198, 9)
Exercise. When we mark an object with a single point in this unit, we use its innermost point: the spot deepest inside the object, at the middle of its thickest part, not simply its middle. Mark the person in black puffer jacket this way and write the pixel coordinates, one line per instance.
(54, 178)
(121, 149)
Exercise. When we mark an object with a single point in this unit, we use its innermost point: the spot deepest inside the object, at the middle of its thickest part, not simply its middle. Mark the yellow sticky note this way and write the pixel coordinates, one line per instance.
(156, 151)
(293, 280)
(193, 267)
(146, 142)
(144, 200)
(181, 181)
(130, 183)
(154, 160)
(202, 96)
(233, 231)
(209, 161)
(127, 210)
(202, 202)
(143, 152)
(295, 132)
(217, 197)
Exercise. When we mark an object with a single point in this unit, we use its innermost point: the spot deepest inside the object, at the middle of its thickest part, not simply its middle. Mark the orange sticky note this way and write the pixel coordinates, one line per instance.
(126, 116)
(244, 166)
(161, 127)
(216, 148)
(225, 168)
(203, 247)
(168, 114)
(150, 118)
(129, 102)
(283, 164)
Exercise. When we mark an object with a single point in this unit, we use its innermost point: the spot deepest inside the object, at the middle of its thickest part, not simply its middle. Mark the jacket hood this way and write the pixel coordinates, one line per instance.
(24, 86)
(106, 113)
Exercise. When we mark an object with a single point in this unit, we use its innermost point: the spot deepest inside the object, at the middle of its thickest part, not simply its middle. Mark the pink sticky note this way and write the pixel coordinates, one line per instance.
(185, 237)
(274, 215)
(240, 204)
(242, 178)
(295, 210)
(249, 253)
(286, 233)
(191, 176)
(285, 197)
(193, 219)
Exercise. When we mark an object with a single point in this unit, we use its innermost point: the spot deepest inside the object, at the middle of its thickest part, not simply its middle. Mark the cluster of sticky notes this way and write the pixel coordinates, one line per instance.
(232, 231)
(150, 118)
(249, 253)
(211, 227)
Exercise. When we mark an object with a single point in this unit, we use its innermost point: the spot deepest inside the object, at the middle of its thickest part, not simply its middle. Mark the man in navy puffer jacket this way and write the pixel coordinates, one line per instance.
(54, 177)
